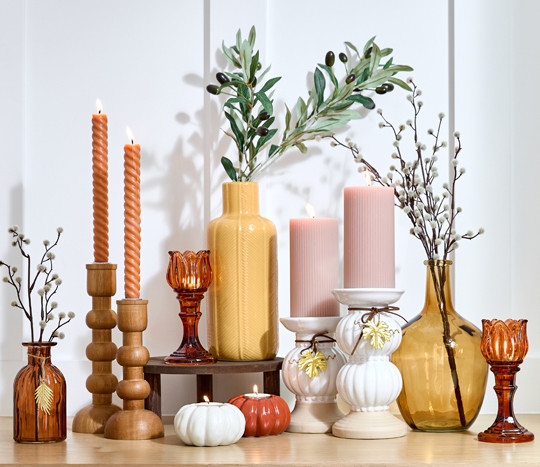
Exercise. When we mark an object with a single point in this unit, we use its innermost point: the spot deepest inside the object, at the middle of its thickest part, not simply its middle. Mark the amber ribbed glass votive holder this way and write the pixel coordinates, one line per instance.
(504, 346)
(189, 274)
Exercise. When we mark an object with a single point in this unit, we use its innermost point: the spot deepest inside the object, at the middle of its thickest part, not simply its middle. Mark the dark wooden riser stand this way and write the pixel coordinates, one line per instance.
(156, 367)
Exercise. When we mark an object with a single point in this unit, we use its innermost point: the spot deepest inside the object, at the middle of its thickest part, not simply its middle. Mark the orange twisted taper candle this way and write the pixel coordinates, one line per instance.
(132, 220)
(99, 186)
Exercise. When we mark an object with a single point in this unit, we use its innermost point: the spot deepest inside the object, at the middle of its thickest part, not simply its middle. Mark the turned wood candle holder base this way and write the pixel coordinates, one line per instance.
(101, 286)
(133, 422)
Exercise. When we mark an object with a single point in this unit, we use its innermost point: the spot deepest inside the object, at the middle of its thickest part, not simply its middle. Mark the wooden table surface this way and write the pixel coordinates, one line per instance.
(287, 449)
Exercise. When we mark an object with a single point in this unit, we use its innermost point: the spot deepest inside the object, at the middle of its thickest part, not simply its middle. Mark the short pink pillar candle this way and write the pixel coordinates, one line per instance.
(314, 254)
(369, 237)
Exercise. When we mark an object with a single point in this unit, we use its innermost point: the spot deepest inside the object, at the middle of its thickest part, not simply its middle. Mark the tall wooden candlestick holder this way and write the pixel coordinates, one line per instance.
(134, 422)
(101, 286)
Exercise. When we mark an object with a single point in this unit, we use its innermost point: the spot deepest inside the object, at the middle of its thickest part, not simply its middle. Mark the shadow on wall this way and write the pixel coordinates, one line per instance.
(14, 324)
(180, 181)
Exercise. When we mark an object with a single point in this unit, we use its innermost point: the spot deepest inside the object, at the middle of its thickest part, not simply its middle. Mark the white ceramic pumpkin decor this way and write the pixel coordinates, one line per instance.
(209, 424)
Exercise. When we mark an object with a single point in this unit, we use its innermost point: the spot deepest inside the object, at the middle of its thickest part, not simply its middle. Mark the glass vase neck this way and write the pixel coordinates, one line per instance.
(38, 351)
(241, 198)
(438, 286)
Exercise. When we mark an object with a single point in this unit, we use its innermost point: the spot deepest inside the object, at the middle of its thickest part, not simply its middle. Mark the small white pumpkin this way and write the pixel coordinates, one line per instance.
(209, 424)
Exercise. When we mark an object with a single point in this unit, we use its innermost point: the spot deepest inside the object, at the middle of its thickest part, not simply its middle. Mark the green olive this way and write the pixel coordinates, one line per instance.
(259, 66)
(254, 82)
(380, 90)
(388, 86)
(262, 131)
(350, 78)
(213, 88)
(222, 78)
(343, 57)
(264, 116)
(330, 58)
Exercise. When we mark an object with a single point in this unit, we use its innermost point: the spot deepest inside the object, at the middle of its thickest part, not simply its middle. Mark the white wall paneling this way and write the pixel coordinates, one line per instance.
(149, 63)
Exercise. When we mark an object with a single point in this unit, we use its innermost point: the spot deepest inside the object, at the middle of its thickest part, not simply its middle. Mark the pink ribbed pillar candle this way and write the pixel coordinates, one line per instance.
(314, 256)
(369, 237)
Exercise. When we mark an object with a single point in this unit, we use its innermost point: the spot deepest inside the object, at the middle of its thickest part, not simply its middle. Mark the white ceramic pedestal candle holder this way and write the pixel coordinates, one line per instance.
(369, 382)
(313, 378)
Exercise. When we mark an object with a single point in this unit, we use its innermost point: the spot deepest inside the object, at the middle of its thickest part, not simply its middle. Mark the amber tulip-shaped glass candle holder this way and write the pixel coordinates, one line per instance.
(189, 274)
(504, 346)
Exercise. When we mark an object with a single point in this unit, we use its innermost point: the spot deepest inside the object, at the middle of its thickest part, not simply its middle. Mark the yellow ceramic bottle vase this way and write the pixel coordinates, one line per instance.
(243, 313)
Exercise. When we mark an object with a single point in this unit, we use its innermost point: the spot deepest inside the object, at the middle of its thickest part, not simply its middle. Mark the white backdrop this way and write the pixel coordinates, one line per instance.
(149, 63)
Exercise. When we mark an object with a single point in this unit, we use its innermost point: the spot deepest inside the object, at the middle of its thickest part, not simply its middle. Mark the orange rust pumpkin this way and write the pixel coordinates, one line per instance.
(264, 416)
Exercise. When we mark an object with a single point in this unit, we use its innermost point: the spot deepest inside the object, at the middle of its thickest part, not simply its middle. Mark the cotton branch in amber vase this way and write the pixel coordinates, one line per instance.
(432, 212)
(49, 281)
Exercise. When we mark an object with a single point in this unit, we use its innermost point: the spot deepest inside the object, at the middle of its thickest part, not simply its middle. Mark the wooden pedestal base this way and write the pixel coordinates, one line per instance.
(134, 422)
(313, 417)
(101, 286)
(92, 418)
(369, 425)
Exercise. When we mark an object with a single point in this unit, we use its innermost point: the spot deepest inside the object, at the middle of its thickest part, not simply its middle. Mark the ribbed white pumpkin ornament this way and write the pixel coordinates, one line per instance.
(369, 382)
(209, 424)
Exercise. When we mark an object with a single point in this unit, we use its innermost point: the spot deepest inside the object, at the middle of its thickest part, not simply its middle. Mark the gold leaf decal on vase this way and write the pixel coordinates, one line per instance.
(379, 333)
(44, 397)
(312, 364)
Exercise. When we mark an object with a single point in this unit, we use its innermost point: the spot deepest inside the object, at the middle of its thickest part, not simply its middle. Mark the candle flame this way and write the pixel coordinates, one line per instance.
(99, 106)
(368, 176)
(310, 210)
(206, 399)
(129, 134)
(256, 389)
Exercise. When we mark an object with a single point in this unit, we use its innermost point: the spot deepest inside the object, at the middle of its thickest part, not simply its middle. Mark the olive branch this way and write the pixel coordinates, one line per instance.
(329, 106)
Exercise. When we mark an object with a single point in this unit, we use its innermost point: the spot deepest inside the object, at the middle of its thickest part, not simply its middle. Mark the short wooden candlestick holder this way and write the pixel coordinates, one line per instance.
(101, 286)
(134, 422)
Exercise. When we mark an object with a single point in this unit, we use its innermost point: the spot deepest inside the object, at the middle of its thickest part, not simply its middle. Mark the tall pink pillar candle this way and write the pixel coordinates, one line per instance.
(132, 220)
(314, 254)
(369, 237)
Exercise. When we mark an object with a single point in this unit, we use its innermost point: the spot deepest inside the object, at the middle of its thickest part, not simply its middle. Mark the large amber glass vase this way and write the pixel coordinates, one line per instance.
(444, 372)
(243, 313)
(39, 398)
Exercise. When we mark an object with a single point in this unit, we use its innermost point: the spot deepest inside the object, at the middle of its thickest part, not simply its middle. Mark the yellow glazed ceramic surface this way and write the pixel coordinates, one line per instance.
(243, 314)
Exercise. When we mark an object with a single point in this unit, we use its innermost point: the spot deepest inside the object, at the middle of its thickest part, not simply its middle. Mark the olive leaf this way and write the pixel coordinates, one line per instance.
(320, 84)
(367, 102)
(229, 168)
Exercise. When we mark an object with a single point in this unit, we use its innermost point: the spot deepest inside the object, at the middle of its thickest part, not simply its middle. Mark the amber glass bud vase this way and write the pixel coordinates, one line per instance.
(504, 345)
(444, 372)
(39, 398)
(189, 274)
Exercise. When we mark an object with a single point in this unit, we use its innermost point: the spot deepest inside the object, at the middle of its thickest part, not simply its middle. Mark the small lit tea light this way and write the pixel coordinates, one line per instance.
(256, 395)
